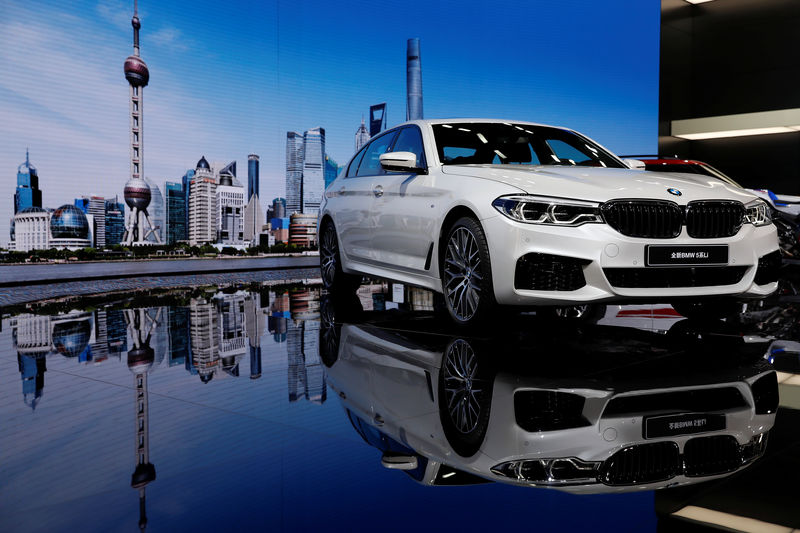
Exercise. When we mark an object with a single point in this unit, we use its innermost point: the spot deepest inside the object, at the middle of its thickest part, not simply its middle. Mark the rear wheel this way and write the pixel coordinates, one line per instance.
(334, 279)
(466, 273)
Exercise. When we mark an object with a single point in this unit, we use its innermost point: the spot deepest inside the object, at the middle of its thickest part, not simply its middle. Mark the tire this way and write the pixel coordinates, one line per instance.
(334, 279)
(707, 310)
(466, 273)
(465, 397)
(334, 311)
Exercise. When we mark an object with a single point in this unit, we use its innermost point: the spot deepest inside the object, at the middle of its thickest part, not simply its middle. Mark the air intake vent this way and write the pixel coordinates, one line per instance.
(765, 394)
(546, 272)
(768, 268)
(549, 410)
(636, 278)
(697, 400)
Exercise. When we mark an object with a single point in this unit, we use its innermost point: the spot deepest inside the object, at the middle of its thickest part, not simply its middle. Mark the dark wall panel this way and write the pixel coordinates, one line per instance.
(729, 57)
(759, 161)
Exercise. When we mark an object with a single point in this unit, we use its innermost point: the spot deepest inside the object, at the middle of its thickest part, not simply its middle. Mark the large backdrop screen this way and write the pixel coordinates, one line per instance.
(228, 79)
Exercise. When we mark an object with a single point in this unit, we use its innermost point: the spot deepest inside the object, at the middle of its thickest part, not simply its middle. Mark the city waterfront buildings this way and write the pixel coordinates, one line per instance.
(313, 170)
(137, 193)
(95, 206)
(230, 204)
(331, 170)
(186, 181)
(176, 212)
(156, 210)
(413, 81)
(28, 193)
(303, 229)
(115, 222)
(252, 176)
(253, 221)
(362, 135)
(202, 205)
(294, 172)
(377, 119)
(31, 230)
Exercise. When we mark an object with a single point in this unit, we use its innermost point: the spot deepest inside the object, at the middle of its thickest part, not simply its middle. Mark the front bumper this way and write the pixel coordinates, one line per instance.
(596, 247)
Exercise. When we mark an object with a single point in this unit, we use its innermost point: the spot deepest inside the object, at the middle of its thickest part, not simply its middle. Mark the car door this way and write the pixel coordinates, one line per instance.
(403, 210)
(350, 199)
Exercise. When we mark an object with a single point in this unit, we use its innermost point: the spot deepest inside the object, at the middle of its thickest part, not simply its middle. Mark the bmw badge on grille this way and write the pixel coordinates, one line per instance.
(674, 192)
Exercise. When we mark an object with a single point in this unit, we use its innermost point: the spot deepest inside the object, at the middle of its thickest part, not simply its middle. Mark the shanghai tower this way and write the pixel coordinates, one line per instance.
(413, 81)
(137, 192)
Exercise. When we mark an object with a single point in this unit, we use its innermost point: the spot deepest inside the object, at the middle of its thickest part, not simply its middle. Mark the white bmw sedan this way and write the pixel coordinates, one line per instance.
(491, 213)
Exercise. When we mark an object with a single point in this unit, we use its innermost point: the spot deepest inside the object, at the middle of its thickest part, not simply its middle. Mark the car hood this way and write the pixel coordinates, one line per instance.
(603, 184)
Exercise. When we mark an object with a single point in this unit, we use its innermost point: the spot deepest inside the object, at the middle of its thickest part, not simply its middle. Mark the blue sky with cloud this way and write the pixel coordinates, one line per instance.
(231, 78)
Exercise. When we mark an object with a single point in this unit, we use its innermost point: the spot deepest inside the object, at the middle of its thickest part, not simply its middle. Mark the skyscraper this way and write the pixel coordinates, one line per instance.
(176, 212)
(230, 208)
(294, 172)
(253, 221)
(413, 81)
(313, 170)
(331, 170)
(186, 180)
(362, 135)
(377, 119)
(140, 361)
(115, 222)
(137, 193)
(28, 193)
(252, 176)
(95, 206)
(202, 205)
(156, 210)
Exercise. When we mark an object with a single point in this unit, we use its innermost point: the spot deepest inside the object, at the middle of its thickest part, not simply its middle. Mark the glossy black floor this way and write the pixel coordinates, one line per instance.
(279, 408)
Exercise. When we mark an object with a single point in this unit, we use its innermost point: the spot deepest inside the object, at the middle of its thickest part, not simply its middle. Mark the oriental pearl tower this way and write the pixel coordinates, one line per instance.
(140, 361)
(137, 192)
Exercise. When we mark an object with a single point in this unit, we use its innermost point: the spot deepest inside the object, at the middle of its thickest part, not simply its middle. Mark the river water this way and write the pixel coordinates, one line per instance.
(263, 406)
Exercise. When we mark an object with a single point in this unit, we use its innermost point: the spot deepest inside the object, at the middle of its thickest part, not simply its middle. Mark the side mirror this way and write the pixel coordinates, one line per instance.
(394, 461)
(400, 162)
(634, 164)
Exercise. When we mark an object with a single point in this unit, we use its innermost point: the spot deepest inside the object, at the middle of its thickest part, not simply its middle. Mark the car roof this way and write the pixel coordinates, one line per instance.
(671, 161)
(421, 122)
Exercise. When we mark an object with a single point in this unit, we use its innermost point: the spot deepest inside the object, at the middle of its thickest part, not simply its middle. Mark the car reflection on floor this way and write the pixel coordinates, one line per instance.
(554, 403)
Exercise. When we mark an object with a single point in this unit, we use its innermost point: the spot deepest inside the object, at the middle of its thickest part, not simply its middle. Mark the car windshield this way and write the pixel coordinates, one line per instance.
(498, 143)
(691, 168)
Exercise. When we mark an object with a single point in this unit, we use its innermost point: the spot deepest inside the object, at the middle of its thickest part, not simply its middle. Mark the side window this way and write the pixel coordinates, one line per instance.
(371, 164)
(410, 140)
(351, 170)
(568, 153)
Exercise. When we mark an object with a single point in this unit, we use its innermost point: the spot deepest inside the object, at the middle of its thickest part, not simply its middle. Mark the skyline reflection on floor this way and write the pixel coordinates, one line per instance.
(225, 394)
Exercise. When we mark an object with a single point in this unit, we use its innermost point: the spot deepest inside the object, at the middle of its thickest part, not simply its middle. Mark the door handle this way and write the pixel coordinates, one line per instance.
(377, 191)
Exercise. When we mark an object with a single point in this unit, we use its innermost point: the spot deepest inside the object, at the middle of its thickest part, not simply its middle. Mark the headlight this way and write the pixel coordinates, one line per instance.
(550, 211)
(757, 213)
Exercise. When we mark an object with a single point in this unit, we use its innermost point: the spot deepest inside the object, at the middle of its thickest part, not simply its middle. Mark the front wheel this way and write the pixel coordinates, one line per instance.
(334, 279)
(466, 273)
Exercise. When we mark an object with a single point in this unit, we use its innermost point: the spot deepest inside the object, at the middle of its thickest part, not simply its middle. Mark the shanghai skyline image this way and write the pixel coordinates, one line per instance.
(232, 79)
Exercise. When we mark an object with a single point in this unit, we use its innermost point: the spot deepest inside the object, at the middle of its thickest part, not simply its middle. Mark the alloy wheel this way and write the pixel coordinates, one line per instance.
(463, 390)
(328, 253)
(462, 273)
